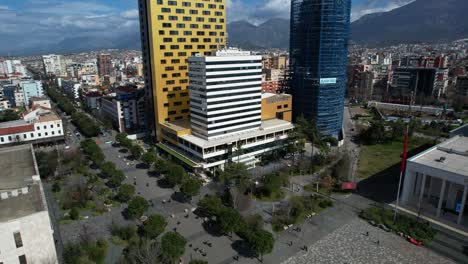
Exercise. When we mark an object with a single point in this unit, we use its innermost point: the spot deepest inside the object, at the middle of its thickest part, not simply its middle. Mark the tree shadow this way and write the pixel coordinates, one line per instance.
(142, 166)
(179, 197)
(116, 145)
(243, 248)
(123, 150)
(153, 174)
(212, 228)
(163, 183)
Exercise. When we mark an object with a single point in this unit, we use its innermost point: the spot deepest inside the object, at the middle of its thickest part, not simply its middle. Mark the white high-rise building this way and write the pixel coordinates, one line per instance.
(54, 64)
(225, 93)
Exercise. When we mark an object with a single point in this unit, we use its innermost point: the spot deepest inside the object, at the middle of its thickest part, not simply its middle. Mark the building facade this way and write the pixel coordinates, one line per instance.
(126, 110)
(37, 126)
(171, 32)
(26, 233)
(436, 182)
(228, 123)
(71, 88)
(54, 65)
(318, 60)
(225, 93)
(104, 64)
(30, 88)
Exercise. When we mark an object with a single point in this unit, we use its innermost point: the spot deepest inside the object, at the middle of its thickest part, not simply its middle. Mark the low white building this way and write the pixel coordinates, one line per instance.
(26, 232)
(39, 101)
(40, 125)
(436, 182)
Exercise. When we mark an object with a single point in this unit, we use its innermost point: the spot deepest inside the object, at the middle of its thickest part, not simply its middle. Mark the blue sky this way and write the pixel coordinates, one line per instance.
(25, 24)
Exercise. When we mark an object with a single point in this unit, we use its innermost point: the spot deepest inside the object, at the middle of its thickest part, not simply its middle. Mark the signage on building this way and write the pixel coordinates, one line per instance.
(458, 207)
(327, 80)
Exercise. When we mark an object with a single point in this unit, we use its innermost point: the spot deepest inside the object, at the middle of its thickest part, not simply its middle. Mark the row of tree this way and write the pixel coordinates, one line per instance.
(85, 124)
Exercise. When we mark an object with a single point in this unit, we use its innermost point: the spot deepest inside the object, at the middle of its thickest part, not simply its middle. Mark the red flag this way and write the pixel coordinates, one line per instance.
(403, 158)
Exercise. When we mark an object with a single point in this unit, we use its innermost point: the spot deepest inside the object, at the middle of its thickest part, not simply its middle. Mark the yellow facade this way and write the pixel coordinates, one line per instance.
(176, 31)
(277, 106)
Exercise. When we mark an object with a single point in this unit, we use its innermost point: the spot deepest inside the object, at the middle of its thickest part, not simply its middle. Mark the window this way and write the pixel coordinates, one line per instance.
(165, 10)
(45, 127)
(22, 259)
(46, 133)
(32, 135)
(18, 240)
(1, 139)
(25, 136)
(39, 134)
(58, 125)
(53, 132)
(51, 126)
(9, 138)
(38, 128)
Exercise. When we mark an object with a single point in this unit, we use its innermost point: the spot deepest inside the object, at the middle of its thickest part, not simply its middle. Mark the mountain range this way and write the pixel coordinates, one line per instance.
(418, 21)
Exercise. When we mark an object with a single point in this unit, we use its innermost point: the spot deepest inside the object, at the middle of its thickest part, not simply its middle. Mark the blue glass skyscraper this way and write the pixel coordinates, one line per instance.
(318, 59)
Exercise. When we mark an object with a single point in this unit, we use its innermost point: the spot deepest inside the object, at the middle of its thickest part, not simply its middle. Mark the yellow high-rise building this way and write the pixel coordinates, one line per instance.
(171, 32)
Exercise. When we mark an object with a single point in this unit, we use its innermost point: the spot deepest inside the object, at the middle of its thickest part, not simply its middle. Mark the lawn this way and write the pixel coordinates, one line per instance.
(377, 158)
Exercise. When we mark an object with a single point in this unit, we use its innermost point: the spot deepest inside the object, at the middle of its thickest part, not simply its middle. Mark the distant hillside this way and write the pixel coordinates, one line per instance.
(419, 21)
(274, 33)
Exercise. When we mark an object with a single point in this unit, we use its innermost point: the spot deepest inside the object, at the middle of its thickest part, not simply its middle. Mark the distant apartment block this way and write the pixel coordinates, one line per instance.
(71, 88)
(54, 65)
(26, 233)
(104, 64)
(126, 109)
(30, 88)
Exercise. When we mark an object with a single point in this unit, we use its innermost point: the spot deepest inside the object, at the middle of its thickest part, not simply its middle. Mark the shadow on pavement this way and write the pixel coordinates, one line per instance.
(382, 187)
(243, 249)
(163, 183)
(212, 228)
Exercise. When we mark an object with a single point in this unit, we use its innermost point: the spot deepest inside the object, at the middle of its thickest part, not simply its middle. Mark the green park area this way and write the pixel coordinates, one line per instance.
(377, 158)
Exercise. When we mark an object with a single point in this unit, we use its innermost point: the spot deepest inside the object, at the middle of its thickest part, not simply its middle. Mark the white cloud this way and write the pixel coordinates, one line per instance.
(130, 14)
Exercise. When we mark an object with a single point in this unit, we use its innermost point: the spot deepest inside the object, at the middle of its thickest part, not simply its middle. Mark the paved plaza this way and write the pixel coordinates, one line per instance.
(350, 244)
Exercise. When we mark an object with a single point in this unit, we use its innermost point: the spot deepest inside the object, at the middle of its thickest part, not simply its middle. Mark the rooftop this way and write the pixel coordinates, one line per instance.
(22, 205)
(451, 156)
(17, 166)
(267, 127)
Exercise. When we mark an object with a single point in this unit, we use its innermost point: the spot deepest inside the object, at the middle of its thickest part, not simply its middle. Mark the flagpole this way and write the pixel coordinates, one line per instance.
(403, 161)
(402, 170)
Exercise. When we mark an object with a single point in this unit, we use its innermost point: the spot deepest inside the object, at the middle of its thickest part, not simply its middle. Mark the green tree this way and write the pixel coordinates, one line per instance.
(175, 175)
(121, 137)
(8, 115)
(173, 245)
(375, 133)
(126, 192)
(136, 151)
(154, 226)
(148, 158)
(235, 174)
(137, 207)
(47, 163)
(74, 213)
(229, 220)
(262, 242)
(161, 166)
(191, 187)
(116, 179)
(108, 169)
(210, 205)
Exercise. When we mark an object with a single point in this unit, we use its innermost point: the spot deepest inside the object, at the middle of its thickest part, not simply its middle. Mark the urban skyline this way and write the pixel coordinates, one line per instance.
(193, 148)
